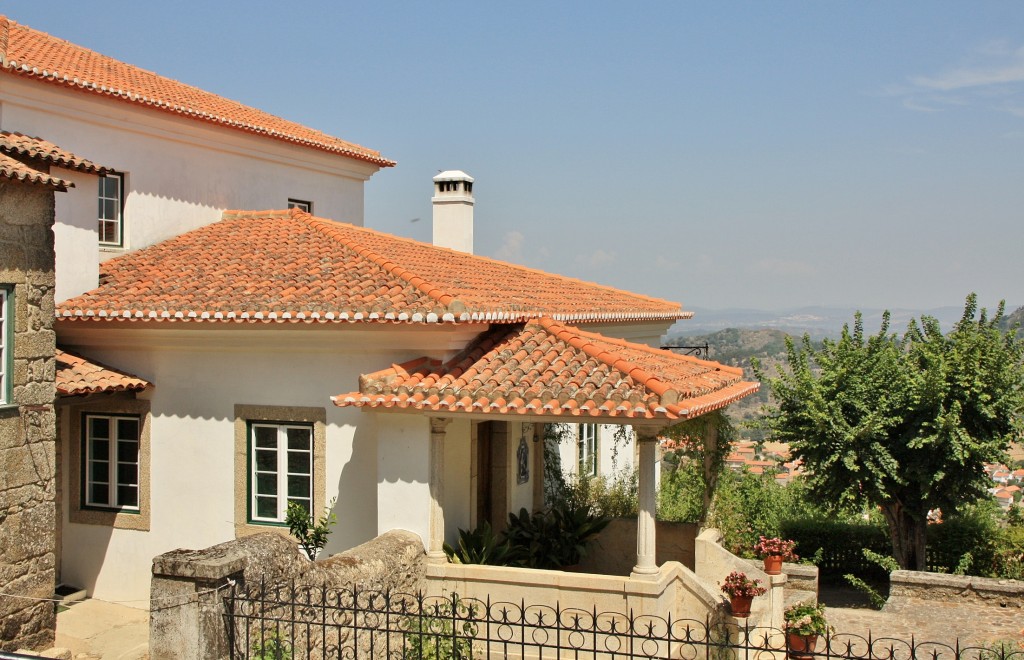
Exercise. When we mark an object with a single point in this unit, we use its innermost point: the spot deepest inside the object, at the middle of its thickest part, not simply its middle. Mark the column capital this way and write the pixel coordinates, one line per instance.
(647, 432)
(439, 424)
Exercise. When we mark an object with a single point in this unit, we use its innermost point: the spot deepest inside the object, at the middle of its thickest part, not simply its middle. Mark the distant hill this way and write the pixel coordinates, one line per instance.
(1015, 318)
(817, 321)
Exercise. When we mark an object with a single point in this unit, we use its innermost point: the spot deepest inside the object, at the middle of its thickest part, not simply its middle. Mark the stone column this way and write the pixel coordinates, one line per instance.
(646, 438)
(435, 549)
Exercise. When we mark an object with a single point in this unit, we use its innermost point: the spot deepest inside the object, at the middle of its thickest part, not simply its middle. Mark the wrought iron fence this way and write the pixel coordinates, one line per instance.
(293, 622)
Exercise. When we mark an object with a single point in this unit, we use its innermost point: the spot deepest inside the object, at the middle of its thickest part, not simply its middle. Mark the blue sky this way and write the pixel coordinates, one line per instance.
(759, 155)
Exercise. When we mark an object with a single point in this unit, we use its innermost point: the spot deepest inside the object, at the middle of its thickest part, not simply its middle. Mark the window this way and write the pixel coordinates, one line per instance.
(6, 347)
(111, 208)
(301, 205)
(587, 450)
(281, 469)
(111, 462)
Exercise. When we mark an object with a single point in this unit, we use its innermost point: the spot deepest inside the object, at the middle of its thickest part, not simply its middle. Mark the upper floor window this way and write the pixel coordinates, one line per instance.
(301, 205)
(111, 209)
(6, 346)
(588, 450)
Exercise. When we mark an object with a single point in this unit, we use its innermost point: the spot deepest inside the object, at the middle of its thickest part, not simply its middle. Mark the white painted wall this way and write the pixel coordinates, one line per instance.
(613, 459)
(180, 174)
(376, 464)
(403, 473)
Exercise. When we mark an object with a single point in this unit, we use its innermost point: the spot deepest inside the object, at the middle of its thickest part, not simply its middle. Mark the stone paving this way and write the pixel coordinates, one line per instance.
(931, 621)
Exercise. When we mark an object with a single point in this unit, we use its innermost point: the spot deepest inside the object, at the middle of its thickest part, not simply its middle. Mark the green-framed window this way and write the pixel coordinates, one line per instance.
(6, 342)
(587, 450)
(280, 469)
(110, 461)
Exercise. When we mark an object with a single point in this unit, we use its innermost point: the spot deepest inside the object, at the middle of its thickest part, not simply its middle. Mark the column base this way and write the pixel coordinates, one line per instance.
(644, 572)
(437, 557)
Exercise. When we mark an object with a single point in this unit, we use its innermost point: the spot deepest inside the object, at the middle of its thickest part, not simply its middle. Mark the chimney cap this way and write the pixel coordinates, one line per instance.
(453, 175)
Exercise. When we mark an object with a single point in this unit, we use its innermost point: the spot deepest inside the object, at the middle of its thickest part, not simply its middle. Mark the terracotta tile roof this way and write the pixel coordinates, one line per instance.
(39, 149)
(544, 368)
(77, 375)
(290, 266)
(34, 54)
(19, 171)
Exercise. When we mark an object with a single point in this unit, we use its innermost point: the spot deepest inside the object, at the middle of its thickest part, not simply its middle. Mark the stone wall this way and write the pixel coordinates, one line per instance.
(613, 551)
(27, 423)
(188, 588)
(956, 589)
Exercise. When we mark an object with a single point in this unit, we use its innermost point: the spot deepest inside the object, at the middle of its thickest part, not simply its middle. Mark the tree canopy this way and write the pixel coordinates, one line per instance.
(902, 423)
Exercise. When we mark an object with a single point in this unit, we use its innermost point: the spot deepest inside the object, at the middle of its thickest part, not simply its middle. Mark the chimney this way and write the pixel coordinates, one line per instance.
(453, 210)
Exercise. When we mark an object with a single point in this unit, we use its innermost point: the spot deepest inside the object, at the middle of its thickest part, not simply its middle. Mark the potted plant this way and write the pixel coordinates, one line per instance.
(805, 622)
(741, 591)
(774, 551)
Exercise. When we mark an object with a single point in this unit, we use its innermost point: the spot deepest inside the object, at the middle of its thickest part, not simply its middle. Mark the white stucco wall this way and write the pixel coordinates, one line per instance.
(179, 173)
(375, 463)
(612, 459)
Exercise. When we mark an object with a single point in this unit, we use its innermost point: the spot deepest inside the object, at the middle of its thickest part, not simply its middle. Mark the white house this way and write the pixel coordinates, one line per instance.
(219, 364)
(163, 157)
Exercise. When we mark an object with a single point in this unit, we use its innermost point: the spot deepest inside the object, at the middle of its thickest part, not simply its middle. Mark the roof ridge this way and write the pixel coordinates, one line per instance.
(148, 95)
(509, 264)
(330, 229)
(655, 351)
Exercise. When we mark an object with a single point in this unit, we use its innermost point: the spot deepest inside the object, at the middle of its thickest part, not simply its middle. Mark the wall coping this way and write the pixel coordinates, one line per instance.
(920, 584)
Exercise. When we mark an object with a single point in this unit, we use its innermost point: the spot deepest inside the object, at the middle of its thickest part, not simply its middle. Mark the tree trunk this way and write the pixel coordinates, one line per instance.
(908, 533)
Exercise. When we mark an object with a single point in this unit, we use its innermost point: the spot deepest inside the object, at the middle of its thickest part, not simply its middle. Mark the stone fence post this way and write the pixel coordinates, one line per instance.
(186, 617)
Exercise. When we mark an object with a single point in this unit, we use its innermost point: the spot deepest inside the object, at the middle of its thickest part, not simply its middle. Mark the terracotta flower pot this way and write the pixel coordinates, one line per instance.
(773, 564)
(800, 647)
(740, 606)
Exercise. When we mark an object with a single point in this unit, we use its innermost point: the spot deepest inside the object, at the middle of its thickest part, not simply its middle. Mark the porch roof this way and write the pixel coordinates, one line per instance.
(77, 375)
(18, 144)
(16, 170)
(548, 369)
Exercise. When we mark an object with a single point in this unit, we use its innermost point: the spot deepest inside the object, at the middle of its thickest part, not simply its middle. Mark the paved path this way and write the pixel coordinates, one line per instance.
(932, 621)
(96, 629)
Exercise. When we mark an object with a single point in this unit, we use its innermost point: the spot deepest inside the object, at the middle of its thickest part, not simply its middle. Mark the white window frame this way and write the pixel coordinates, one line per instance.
(6, 342)
(281, 470)
(300, 204)
(118, 221)
(112, 459)
(587, 450)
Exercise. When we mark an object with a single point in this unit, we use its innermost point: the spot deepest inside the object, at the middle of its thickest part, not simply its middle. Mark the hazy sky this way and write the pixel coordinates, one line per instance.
(718, 154)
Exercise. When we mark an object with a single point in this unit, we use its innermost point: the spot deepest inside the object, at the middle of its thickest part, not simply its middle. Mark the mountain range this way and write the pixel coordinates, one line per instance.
(817, 321)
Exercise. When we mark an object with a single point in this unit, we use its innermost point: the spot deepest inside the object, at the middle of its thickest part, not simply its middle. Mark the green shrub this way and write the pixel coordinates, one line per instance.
(972, 531)
(311, 534)
(613, 496)
(481, 546)
(1008, 558)
(841, 545)
(442, 631)
(273, 645)
(555, 537)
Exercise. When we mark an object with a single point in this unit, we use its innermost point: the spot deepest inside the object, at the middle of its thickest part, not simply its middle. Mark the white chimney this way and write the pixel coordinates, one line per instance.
(453, 210)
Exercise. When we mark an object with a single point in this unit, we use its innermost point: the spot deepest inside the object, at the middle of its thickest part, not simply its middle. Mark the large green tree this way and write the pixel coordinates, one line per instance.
(902, 423)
